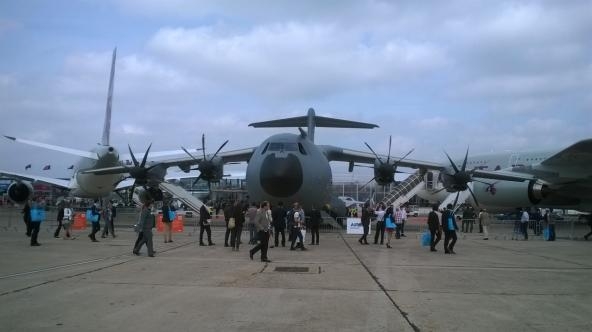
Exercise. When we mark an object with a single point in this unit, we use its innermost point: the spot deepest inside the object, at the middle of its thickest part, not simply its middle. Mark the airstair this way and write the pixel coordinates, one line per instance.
(182, 195)
(403, 192)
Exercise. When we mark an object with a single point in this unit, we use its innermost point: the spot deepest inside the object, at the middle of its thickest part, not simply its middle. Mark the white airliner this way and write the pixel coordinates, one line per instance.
(82, 184)
(561, 179)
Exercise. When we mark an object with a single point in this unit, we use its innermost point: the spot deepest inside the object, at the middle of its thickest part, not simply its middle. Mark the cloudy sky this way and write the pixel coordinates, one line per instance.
(492, 75)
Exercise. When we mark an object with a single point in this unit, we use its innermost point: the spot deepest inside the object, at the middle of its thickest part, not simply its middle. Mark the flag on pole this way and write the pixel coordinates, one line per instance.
(28, 166)
(71, 167)
(46, 167)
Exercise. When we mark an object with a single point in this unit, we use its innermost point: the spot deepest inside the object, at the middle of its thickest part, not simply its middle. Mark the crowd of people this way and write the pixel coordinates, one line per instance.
(271, 226)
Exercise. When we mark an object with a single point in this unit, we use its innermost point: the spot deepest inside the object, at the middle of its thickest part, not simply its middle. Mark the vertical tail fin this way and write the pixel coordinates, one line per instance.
(107, 126)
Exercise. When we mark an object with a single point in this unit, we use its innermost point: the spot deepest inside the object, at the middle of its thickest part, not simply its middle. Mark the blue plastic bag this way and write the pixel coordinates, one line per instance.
(172, 215)
(91, 217)
(546, 234)
(37, 214)
(426, 239)
(451, 224)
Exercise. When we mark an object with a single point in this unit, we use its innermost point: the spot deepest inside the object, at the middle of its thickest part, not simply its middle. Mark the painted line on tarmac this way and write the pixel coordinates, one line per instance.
(384, 290)
(133, 258)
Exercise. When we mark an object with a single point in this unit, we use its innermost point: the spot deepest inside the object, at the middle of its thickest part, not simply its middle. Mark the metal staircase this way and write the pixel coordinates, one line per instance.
(182, 195)
(405, 190)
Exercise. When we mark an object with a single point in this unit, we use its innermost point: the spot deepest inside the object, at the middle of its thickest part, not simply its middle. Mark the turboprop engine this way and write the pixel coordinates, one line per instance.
(19, 192)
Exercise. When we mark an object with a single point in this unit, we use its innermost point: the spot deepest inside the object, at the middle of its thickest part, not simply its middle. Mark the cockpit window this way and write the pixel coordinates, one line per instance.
(301, 148)
(283, 146)
(265, 148)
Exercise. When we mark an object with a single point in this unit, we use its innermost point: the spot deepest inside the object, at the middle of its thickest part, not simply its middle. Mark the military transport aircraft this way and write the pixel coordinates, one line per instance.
(292, 168)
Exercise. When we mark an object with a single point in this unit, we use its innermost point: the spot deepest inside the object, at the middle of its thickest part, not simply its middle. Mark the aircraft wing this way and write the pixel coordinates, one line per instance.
(346, 155)
(503, 175)
(340, 154)
(154, 154)
(184, 163)
(80, 153)
(576, 155)
(32, 178)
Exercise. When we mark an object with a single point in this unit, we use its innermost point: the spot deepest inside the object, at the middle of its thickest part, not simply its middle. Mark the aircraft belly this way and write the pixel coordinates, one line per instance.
(91, 185)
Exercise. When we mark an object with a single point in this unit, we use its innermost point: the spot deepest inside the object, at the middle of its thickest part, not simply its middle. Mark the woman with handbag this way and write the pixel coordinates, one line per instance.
(389, 225)
(167, 213)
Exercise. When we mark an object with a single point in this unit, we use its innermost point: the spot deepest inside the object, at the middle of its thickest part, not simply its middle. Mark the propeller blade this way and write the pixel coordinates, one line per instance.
(367, 183)
(439, 190)
(190, 155)
(133, 157)
(405, 156)
(121, 180)
(203, 145)
(388, 157)
(145, 156)
(377, 157)
(451, 162)
(131, 193)
(220, 148)
(456, 199)
(195, 181)
(464, 165)
(473, 194)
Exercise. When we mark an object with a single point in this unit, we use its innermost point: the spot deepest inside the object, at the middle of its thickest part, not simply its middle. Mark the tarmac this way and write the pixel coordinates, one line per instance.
(340, 285)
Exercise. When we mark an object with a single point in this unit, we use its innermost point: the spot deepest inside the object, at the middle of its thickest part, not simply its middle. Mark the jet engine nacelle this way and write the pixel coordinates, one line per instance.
(19, 192)
(384, 173)
(509, 193)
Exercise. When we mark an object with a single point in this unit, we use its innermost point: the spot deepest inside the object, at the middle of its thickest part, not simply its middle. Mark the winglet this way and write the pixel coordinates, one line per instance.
(107, 126)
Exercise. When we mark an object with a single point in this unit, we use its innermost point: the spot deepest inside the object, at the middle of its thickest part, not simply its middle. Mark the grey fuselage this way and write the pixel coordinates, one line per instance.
(289, 168)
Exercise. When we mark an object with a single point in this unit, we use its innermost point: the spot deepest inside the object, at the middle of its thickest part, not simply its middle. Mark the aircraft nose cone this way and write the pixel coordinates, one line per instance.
(281, 177)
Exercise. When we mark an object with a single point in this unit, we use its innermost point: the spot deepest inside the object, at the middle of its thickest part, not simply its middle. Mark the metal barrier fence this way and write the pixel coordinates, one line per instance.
(11, 219)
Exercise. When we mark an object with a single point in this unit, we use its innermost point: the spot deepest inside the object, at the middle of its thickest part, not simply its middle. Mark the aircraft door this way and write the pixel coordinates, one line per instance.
(429, 180)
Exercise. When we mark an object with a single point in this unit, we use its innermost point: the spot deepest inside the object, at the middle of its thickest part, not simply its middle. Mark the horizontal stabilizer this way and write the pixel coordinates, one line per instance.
(319, 121)
(80, 153)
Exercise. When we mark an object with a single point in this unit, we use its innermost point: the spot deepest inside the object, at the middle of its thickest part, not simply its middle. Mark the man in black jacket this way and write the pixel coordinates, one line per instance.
(435, 228)
(278, 215)
(315, 223)
(367, 213)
